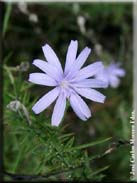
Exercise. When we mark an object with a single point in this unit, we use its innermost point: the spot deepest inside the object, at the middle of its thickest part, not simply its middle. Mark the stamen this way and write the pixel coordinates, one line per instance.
(64, 84)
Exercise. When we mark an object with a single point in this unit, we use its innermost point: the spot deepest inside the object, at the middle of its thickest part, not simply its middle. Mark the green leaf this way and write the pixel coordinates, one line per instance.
(70, 143)
(65, 137)
(6, 18)
(91, 144)
(6, 59)
(100, 170)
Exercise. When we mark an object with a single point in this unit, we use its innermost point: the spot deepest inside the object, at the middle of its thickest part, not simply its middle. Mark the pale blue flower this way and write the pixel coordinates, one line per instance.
(69, 84)
(110, 74)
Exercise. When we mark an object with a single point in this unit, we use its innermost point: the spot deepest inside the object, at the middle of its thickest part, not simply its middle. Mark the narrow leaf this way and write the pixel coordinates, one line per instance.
(91, 144)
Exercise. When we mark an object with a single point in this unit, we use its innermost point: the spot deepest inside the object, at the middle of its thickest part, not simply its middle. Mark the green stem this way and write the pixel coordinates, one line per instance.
(6, 18)
(11, 79)
(19, 155)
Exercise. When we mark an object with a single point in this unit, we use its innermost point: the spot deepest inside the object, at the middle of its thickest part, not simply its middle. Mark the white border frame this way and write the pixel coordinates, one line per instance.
(134, 55)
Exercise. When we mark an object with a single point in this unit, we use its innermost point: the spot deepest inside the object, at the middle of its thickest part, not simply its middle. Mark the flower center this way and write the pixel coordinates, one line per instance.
(64, 84)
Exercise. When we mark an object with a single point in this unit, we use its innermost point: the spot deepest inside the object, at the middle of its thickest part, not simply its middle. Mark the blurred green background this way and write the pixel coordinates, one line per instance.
(104, 27)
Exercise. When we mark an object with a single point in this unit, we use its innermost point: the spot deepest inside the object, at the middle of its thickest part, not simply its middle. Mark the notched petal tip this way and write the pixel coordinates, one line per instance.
(88, 49)
(103, 99)
(33, 62)
(88, 116)
(84, 119)
(29, 78)
(53, 123)
(44, 46)
(74, 41)
(35, 110)
(36, 61)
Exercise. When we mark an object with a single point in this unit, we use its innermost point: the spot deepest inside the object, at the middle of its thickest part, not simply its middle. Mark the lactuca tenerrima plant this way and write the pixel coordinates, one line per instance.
(69, 84)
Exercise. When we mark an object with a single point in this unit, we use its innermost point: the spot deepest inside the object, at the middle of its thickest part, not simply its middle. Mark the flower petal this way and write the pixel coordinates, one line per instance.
(49, 69)
(119, 72)
(80, 107)
(71, 55)
(42, 79)
(51, 57)
(59, 109)
(45, 101)
(89, 71)
(91, 83)
(114, 81)
(103, 75)
(81, 59)
(91, 94)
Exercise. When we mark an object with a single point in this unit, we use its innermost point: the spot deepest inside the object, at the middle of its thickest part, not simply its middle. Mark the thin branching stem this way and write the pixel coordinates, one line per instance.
(112, 147)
